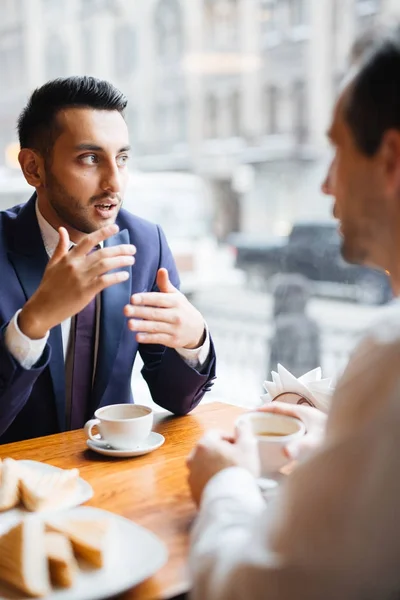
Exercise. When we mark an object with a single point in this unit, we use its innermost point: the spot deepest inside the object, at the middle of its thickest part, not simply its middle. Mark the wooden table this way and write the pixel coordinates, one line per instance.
(150, 490)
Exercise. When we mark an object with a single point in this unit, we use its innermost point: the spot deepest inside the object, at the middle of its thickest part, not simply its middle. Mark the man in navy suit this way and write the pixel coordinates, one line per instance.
(74, 152)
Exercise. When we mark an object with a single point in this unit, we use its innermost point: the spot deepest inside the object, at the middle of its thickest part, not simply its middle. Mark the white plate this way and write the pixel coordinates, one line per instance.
(154, 441)
(136, 554)
(83, 494)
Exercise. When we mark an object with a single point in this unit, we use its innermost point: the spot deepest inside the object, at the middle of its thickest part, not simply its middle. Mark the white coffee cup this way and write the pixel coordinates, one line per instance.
(122, 426)
(273, 433)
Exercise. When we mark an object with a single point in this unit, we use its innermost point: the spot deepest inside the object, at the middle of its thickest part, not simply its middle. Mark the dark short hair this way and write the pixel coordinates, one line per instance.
(373, 103)
(37, 123)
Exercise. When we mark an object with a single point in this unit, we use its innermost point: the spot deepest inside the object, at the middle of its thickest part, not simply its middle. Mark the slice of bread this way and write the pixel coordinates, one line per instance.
(90, 538)
(23, 560)
(44, 491)
(62, 563)
(9, 484)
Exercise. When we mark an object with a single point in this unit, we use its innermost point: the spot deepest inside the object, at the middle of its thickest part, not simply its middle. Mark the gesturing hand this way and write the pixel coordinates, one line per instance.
(72, 279)
(165, 317)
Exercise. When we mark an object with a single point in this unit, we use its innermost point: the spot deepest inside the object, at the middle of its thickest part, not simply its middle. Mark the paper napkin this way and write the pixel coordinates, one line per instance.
(309, 389)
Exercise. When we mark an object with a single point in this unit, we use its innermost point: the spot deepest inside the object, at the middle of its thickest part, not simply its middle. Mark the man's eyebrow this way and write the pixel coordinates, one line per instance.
(95, 148)
(92, 147)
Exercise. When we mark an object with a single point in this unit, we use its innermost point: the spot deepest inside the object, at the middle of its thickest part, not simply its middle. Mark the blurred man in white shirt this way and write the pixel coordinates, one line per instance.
(333, 530)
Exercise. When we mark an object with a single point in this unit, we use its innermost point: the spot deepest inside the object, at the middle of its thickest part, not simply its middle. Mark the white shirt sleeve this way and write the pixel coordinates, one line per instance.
(196, 357)
(26, 351)
(228, 539)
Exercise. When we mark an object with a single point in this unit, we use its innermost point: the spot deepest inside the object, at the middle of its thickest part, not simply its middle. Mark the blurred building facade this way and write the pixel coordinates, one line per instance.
(238, 91)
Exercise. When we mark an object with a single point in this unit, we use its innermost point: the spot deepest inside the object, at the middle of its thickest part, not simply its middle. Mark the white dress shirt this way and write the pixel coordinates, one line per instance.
(27, 352)
(333, 529)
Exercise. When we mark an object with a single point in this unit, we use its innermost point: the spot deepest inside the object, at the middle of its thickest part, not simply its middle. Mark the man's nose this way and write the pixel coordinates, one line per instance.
(326, 185)
(111, 179)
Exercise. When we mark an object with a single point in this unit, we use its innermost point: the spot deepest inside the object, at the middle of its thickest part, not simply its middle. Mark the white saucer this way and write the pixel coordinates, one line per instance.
(154, 441)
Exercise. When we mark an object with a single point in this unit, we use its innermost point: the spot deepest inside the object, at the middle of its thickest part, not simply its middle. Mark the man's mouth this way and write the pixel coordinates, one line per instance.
(105, 208)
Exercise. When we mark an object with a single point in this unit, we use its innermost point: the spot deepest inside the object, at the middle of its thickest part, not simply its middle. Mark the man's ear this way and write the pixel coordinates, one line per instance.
(32, 165)
(390, 155)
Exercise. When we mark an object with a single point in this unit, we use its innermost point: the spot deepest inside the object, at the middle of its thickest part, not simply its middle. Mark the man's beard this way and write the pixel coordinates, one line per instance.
(69, 209)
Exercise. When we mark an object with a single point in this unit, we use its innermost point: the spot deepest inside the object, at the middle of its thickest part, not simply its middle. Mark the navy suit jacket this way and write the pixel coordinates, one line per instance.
(32, 402)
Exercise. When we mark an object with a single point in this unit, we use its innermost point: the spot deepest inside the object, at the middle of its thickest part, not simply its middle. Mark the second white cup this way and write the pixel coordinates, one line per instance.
(273, 433)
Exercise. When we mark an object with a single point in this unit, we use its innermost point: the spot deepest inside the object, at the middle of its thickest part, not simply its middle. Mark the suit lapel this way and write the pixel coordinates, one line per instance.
(29, 258)
(112, 322)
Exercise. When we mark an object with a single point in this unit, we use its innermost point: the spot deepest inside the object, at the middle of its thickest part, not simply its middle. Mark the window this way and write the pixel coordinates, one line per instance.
(300, 111)
(181, 117)
(230, 92)
(235, 112)
(125, 50)
(222, 23)
(88, 8)
(271, 109)
(268, 16)
(271, 23)
(297, 12)
(168, 29)
(211, 124)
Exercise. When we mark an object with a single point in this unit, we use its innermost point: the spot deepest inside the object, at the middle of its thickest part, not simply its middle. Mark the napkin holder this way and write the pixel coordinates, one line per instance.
(293, 398)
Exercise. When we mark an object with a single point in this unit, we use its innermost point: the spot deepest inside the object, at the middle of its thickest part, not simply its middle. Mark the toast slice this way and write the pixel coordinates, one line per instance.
(9, 484)
(44, 491)
(62, 562)
(90, 538)
(23, 560)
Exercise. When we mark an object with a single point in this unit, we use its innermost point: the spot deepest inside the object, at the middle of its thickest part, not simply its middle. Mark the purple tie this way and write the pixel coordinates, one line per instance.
(83, 363)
